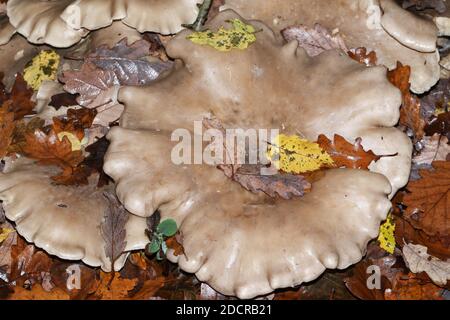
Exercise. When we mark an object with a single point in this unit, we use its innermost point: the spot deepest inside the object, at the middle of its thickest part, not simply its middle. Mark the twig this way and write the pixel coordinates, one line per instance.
(202, 15)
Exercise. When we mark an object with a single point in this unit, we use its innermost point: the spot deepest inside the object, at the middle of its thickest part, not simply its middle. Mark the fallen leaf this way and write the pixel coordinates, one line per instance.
(20, 99)
(284, 185)
(64, 99)
(386, 237)
(48, 149)
(95, 160)
(439, 125)
(292, 154)
(4, 234)
(437, 99)
(428, 202)
(42, 67)
(113, 287)
(105, 70)
(7, 126)
(173, 244)
(240, 36)
(410, 113)
(314, 40)
(409, 287)
(38, 293)
(405, 232)
(418, 260)
(362, 56)
(113, 228)
(345, 154)
(435, 148)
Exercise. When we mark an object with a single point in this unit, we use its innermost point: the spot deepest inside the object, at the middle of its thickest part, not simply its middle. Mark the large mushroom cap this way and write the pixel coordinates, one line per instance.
(64, 221)
(394, 33)
(248, 244)
(62, 23)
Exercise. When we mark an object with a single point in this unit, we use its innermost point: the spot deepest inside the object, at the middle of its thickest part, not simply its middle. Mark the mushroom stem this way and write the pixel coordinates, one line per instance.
(202, 15)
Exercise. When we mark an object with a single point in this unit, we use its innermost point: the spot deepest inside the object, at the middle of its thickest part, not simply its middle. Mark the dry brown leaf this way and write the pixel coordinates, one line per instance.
(113, 228)
(345, 154)
(173, 244)
(409, 287)
(7, 126)
(106, 69)
(113, 287)
(282, 184)
(362, 56)
(418, 260)
(410, 113)
(428, 203)
(38, 293)
(314, 40)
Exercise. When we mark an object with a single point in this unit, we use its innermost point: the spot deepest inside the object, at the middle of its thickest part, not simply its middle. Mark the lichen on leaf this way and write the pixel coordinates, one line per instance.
(240, 36)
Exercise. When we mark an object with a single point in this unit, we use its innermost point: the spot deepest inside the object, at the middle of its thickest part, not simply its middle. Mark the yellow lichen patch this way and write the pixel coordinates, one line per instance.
(240, 36)
(4, 233)
(386, 237)
(42, 67)
(74, 141)
(293, 154)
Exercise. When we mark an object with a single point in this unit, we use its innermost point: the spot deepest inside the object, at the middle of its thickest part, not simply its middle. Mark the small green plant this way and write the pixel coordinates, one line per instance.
(158, 232)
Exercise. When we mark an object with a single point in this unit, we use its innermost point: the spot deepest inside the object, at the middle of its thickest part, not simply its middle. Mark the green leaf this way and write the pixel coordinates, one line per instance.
(168, 228)
(164, 247)
(154, 246)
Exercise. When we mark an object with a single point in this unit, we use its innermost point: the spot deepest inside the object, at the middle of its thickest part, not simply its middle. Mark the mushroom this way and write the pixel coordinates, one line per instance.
(247, 244)
(62, 23)
(381, 25)
(64, 221)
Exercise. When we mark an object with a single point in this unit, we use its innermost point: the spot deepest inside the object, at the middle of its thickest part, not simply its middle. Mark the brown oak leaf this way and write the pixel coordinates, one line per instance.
(410, 113)
(345, 154)
(362, 56)
(428, 203)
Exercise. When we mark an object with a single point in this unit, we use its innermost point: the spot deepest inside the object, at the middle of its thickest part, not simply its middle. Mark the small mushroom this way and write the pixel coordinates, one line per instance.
(394, 33)
(247, 244)
(64, 221)
(62, 23)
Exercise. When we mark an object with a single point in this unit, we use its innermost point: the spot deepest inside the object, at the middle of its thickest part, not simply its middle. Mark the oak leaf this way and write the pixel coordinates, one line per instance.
(106, 69)
(410, 113)
(345, 154)
(363, 56)
(428, 202)
(418, 260)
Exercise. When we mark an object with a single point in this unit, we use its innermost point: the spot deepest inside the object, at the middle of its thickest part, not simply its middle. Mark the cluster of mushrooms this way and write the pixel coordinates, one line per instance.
(240, 243)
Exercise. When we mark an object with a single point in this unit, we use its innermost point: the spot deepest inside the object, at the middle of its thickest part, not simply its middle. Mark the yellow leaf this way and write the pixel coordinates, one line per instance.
(43, 67)
(4, 233)
(240, 36)
(386, 237)
(293, 154)
(76, 144)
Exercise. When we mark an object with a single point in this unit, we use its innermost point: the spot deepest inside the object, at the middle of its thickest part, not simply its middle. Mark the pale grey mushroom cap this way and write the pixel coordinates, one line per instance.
(247, 244)
(62, 220)
(395, 34)
(62, 23)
